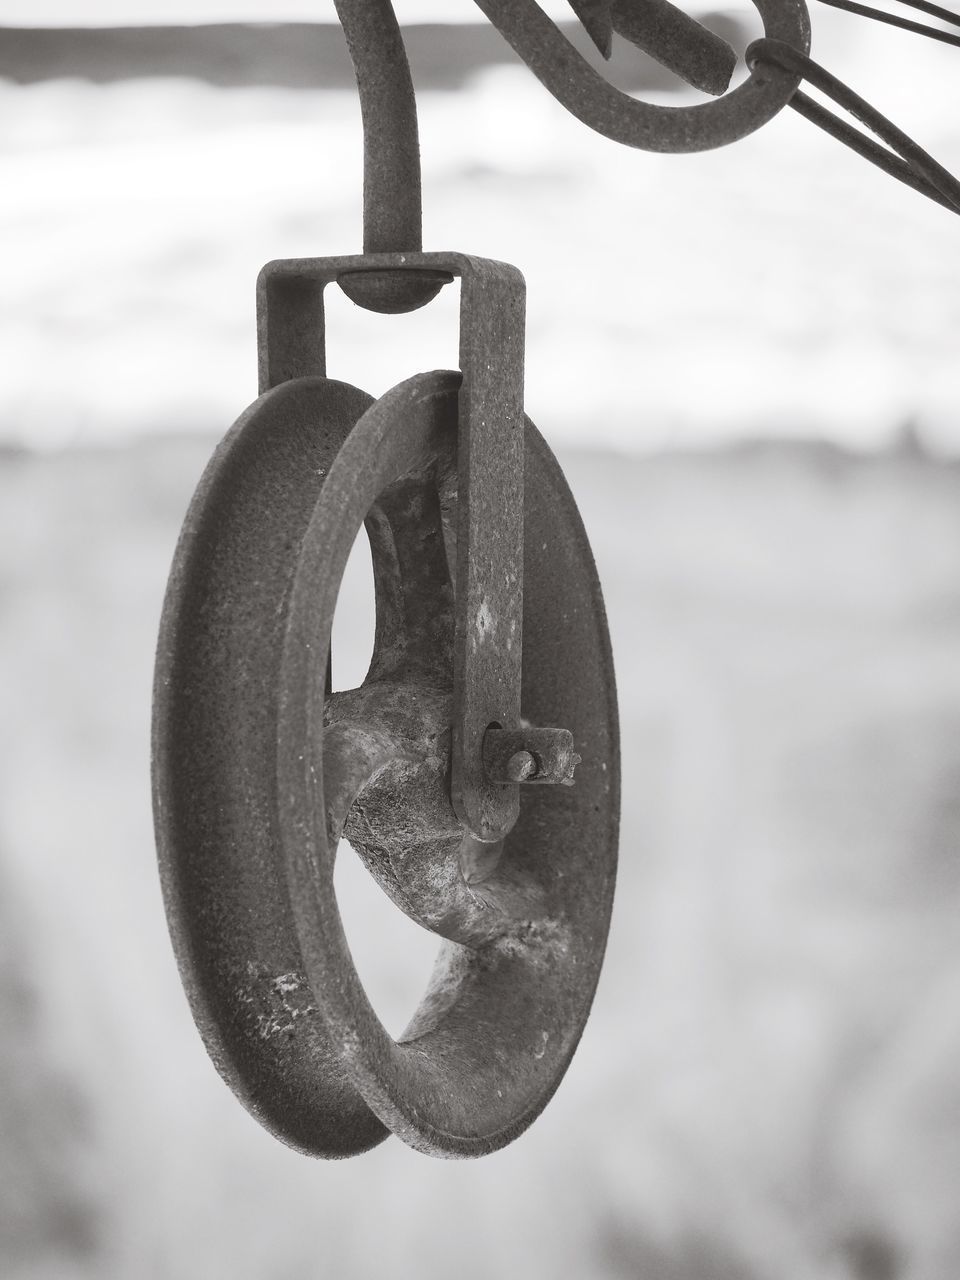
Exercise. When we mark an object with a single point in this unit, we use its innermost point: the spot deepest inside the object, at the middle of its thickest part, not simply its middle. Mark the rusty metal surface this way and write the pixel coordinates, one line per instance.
(259, 769)
(391, 144)
(489, 611)
(491, 667)
(683, 45)
(530, 754)
(392, 181)
(779, 63)
(589, 97)
(392, 216)
(256, 770)
(666, 33)
(215, 791)
(490, 520)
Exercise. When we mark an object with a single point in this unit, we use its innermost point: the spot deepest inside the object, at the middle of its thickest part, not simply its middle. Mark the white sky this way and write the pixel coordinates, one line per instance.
(80, 13)
(778, 287)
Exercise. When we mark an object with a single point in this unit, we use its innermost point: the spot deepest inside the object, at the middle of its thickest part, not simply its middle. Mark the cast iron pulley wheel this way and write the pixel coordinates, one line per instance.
(258, 770)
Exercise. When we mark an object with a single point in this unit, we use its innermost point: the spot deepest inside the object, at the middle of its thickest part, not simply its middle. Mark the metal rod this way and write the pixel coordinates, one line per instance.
(537, 40)
(392, 215)
(392, 208)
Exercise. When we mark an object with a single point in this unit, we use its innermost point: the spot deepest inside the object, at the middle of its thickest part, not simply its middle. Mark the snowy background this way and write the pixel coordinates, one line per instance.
(747, 362)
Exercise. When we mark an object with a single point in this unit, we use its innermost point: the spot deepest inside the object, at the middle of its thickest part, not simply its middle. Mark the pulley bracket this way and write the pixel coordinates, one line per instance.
(489, 570)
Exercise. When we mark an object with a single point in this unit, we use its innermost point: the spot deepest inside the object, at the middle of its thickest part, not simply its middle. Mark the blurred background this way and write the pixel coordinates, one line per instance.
(747, 363)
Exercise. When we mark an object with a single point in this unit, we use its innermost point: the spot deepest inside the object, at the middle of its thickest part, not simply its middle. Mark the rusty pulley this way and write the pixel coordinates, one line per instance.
(491, 671)
(476, 769)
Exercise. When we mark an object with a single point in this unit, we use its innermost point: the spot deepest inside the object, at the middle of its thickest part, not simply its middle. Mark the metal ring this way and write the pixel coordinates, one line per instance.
(255, 769)
(650, 127)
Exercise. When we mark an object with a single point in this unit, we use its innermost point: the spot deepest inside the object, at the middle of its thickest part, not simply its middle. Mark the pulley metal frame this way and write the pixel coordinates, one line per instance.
(491, 667)
(259, 767)
(490, 466)
(392, 208)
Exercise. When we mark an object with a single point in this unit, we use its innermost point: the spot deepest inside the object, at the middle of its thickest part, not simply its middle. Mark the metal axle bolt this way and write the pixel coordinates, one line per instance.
(529, 755)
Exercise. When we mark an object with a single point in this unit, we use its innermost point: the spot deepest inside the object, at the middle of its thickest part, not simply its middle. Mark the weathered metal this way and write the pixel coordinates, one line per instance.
(651, 127)
(490, 631)
(485, 587)
(666, 33)
(256, 772)
(779, 63)
(530, 754)
(490, 522)
(392, 209)
(392, 184)
(681, 43)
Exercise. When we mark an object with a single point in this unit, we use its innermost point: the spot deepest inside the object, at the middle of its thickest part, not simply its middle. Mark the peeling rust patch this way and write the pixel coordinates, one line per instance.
(277, 1000)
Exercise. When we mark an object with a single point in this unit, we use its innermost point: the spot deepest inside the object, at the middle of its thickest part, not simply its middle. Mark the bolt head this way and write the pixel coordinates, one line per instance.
(521, 766)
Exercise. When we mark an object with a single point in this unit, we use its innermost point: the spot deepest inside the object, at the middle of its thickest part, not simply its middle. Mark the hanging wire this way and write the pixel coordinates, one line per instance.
(905, 160)
(905, 24)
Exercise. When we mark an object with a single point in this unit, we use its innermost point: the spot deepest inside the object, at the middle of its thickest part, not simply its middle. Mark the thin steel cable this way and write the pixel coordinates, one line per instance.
(905, 160)
(880, 156)
(924, 6)
(905, 24)
(935, 10)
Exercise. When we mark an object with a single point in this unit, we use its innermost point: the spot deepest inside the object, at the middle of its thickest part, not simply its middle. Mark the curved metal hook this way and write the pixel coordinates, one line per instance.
(666, 33)
(392, 208)
(391, 140)
(392, 213)
(604, 108)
